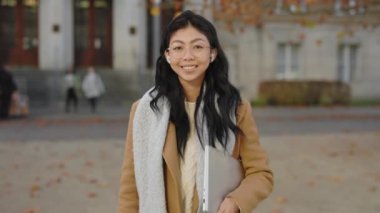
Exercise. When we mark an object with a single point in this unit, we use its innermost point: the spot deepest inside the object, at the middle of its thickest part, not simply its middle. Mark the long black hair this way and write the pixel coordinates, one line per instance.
(219, 96)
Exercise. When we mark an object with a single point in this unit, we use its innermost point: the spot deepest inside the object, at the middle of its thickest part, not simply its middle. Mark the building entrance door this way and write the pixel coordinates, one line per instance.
(19, 32)
(93, 33)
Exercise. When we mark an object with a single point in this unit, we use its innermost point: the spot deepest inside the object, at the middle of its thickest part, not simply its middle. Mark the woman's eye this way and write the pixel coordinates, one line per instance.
(198, 47)
(177, 48)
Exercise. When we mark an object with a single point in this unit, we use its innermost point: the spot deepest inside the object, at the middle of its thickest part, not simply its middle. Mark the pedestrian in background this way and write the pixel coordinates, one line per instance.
(71, 94)
(192, 104)
(93, 88)
(7, 89)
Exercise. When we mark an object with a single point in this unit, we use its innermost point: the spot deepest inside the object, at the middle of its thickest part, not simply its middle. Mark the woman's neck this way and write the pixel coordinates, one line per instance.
(191, 92)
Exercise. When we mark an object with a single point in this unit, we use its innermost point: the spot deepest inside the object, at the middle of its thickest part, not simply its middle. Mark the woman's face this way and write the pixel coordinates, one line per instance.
(189, 55)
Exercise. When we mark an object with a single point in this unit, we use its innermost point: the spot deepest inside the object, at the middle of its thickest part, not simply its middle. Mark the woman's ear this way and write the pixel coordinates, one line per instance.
(167, 57)
(213, 55)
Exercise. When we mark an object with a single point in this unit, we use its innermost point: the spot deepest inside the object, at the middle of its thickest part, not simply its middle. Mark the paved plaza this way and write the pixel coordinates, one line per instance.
(324, 160)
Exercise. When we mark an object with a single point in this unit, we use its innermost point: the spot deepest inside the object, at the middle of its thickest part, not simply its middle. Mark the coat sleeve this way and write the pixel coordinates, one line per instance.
(258, 181)
(128, 197)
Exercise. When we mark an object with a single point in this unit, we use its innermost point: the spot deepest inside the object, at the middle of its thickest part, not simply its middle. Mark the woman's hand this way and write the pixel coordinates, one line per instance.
(228, 206)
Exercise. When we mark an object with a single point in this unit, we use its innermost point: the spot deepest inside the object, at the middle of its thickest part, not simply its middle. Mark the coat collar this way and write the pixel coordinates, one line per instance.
(171, 155)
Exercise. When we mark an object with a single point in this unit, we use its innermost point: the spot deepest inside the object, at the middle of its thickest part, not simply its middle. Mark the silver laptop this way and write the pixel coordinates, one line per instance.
(222, 175)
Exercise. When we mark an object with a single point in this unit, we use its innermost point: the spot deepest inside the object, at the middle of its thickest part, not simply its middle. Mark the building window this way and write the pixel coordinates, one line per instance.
(287, 60)
(93, 33)
(293, 7)
(347, 59)
(279, 7)
(350, 7)
(19, 32)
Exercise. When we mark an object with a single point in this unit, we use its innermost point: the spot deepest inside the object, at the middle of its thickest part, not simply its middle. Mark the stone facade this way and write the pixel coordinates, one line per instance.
(346, 48)
(320, 53)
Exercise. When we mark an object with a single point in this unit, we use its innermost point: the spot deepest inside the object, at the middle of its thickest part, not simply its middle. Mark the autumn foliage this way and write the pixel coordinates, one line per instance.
(255, 12)
(304, 93)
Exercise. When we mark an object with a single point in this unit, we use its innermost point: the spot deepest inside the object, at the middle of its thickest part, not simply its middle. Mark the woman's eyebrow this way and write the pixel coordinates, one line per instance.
(192, 41)
(197, 39)
(177, 41)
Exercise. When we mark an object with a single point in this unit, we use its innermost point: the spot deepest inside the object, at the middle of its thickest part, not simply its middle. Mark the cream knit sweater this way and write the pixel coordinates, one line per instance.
(189, 162)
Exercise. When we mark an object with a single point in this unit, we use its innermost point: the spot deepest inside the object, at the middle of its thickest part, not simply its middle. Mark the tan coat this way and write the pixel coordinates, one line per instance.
(256, 185)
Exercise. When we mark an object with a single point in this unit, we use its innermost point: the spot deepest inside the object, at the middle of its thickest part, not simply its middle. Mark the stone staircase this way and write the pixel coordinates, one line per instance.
(46, 89)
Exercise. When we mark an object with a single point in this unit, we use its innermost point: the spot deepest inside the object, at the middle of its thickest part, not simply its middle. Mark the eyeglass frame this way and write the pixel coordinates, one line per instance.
(184, 51)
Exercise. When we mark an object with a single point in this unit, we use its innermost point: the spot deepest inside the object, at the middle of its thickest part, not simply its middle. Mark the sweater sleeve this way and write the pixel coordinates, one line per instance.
(128, 197)
(258, 181)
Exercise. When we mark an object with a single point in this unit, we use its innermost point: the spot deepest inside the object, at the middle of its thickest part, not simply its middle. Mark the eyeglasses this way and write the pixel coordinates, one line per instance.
(178, 51)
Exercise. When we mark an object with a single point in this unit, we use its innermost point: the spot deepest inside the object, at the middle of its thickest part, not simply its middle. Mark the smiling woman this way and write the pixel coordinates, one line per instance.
(189, 55)
(192, 104)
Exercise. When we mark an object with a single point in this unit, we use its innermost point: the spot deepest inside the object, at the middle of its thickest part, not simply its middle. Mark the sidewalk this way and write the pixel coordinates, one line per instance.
(112, 122)
(329, 173)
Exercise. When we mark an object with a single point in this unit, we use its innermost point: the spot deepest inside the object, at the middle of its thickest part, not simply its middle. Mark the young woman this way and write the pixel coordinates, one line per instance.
(191, 104)
(93, 87)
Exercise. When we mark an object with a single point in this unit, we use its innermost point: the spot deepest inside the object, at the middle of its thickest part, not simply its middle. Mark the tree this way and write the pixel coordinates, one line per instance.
(256, 12)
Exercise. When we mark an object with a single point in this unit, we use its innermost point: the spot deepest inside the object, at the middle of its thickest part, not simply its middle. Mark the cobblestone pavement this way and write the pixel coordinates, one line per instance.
(324, 160)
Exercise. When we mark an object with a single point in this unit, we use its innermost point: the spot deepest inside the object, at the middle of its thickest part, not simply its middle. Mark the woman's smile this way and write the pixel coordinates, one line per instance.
(189, 67)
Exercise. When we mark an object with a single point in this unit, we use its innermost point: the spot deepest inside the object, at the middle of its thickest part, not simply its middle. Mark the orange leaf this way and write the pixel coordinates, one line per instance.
(91, 195)
(31, 210)
(336, 179)
(281, 200)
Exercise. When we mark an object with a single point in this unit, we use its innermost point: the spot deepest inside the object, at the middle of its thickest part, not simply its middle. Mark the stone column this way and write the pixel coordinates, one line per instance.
(56, 38)
(129, 35)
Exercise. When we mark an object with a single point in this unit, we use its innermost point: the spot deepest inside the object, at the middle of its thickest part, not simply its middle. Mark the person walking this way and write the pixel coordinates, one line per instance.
(8, 87)
(71, 95)
(93, 88)
(192, 104)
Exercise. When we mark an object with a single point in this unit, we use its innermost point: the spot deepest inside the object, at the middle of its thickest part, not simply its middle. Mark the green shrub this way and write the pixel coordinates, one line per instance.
(365, 102)
(299, 93)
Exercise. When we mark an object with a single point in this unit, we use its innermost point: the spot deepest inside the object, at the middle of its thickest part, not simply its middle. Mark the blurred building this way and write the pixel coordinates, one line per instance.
(39, 39)
(57, 34)
(334, 40)
(42, 38)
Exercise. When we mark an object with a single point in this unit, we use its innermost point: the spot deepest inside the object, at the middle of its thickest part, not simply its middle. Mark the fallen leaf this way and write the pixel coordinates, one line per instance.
(372, 189)
(333, 154)
(66, 174)
(54, 181)
(91, 195)
(103, 185)
(34, 190)
(31, 210)
(336, 179)
(93, 181)
(281, 200)
(311, 183)
(89, 164)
